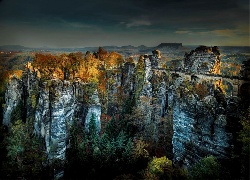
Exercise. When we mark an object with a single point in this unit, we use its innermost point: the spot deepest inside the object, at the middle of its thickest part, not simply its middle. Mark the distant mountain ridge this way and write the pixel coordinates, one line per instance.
(170, 45)
(20, 47)
(13, 47)
(141, 48)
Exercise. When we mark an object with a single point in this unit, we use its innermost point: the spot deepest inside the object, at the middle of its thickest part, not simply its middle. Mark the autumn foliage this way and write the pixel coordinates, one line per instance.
(201, 90)
(86, 67)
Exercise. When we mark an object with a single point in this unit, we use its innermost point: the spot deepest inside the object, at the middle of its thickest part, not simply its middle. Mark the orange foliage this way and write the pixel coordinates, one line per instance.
(74, 63)
(114, 60)
(102, 82)
(44, 60)
(103, 54)
(130, 60)
(219, 85)
(4, 76)
(17, 73)
(216, 68)
(201, 90)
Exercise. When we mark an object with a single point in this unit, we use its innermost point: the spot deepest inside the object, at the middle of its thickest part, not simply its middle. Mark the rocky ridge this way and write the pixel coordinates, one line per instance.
(199, 116)
(203, 60)
(52, 106)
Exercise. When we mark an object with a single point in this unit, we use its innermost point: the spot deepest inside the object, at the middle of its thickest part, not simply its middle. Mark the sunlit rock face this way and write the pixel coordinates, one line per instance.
(54, 115)
(12, 98)
(51, 105)
(203, 60)
(203, 120)
(128, 78)
(147, 87)
(153, 97)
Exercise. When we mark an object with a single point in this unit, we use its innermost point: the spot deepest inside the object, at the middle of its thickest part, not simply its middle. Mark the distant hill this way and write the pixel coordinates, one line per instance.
(169, 45)
(13, 48)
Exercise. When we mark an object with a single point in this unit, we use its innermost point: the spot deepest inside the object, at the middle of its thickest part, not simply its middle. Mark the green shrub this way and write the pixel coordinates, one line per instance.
(16, 141)
(107, 155)
(159, 168)
(206, 168)
(25, 154)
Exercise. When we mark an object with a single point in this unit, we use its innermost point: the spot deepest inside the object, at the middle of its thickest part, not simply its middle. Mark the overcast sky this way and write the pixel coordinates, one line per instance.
(82, 23)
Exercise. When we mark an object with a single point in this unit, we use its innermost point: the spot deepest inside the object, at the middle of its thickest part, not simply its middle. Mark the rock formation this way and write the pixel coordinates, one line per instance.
(51, 105)
(203, 60)
(201, 122)
(188, 108)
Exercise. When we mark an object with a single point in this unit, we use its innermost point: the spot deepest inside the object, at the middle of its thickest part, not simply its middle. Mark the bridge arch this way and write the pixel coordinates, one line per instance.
(244, 93)
(244, 90)
(228, 87)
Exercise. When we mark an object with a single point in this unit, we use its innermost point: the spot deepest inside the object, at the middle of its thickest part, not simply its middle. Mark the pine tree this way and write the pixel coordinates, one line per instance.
(93, 132)
(92, 126)
(244, 138)
(206, 168)
(112, 128)
(26, 157)
(16, 142)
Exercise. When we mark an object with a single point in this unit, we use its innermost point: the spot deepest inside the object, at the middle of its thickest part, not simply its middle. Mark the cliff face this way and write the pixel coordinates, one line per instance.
(151, 101)
(54, 114)
(203, 60)
(51, 106)
(202, 120)
(186, 116)
(12, 98)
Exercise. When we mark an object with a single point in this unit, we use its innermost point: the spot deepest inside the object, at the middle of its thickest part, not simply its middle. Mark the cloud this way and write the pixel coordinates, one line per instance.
(75, 24)
(241, 30)
(136, 23)
(224, 32)
(193, 31)
(216, 32)
(162, 19)
(182, 32)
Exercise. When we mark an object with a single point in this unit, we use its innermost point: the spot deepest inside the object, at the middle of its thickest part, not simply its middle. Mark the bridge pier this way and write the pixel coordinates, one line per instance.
(235, 87)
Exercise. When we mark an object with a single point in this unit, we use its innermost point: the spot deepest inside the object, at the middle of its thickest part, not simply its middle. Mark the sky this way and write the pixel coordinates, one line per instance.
(86, 23)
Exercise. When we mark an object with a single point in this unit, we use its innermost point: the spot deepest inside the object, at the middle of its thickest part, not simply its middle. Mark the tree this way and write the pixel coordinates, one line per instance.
(159, 168)
(107, 155)
(93, 137)
(112, 128)
(16, 143)
(244, 138)
(92, 126)
(26, 157)
(206, 168)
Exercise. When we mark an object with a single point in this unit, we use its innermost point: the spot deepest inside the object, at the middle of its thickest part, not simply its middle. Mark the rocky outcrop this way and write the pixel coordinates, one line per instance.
(201, 122)
(187, 110)
(54, 115)
(153, 99)
(203, 60)
(12, 98)
(51, 105)
(245, 70)
(128, 78)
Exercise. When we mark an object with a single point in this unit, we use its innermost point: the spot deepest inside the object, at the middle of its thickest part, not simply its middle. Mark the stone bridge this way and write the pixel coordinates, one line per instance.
(239, 86)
